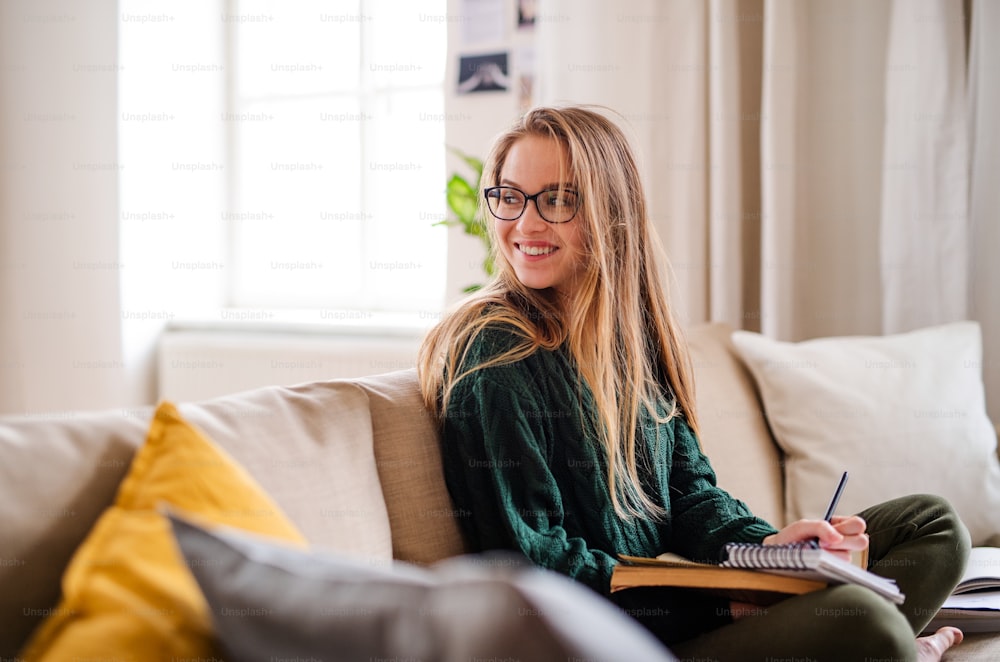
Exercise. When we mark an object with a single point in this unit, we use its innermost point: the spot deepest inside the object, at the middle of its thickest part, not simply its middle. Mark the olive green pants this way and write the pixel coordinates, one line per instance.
(917, 540)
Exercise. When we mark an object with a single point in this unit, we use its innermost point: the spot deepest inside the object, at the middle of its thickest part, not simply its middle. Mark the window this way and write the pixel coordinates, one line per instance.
(282, 156)
(335, 126)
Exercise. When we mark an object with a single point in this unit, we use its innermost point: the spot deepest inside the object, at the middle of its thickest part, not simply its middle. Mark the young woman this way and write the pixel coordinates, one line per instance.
(570, 432)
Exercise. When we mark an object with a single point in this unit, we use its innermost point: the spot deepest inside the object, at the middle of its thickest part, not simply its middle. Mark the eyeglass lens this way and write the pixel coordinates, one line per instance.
(554, 205)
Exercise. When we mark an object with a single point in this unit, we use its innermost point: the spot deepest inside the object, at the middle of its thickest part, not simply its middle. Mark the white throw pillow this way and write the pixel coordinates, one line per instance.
(903, 413)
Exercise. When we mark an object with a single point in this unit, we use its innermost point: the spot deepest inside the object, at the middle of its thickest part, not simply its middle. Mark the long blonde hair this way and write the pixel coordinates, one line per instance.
(617, 325)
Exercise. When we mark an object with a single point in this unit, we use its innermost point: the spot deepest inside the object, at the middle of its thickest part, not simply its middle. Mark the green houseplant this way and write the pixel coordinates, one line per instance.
(463, 202)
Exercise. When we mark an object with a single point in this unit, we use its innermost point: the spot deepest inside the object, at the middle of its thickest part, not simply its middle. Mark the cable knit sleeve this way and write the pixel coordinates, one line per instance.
(527, 472)
(704, 516)
(498, 449)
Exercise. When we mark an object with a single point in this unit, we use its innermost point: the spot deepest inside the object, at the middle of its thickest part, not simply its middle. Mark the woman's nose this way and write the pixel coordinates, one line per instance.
(531, 220)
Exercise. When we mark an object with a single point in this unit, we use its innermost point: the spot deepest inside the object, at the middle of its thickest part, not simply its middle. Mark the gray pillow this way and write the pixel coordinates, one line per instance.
(269, 601)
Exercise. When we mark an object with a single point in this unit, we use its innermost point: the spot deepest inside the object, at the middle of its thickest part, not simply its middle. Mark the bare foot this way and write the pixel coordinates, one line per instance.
(931, 648)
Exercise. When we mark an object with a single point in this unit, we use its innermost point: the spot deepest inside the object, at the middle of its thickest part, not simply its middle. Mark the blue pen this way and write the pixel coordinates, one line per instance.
(814, 543)
(836, 498)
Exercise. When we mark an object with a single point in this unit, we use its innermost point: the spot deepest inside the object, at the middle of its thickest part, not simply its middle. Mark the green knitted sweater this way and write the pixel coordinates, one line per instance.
(526, 473)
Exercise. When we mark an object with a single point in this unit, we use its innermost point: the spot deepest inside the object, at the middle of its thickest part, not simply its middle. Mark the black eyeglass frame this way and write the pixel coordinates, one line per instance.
(531, 198)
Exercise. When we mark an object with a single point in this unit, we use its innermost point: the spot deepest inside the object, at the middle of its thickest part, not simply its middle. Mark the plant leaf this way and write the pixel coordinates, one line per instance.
(471, 161)
(462, 200)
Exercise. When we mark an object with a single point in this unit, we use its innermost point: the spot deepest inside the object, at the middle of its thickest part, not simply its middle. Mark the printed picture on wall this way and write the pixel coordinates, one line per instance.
(524, 69)
(483, 73)
(526, 10)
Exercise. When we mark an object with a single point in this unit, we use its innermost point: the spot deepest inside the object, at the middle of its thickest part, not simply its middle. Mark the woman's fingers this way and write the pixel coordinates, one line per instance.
(806, 529)
(849, 526)
(840, 534)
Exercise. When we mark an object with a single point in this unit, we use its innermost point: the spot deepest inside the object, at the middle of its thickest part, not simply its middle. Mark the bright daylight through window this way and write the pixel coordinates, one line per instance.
(327, 125)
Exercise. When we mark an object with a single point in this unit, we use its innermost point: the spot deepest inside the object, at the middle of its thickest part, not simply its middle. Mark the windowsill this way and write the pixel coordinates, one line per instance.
(334, 322)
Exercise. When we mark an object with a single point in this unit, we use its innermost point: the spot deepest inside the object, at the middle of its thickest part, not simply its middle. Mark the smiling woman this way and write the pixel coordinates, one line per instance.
(576, 324)
(539, 240)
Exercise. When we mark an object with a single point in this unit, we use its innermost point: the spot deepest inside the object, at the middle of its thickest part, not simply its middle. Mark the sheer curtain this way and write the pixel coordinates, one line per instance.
(984, 189)
(925, 194)
(814, 168)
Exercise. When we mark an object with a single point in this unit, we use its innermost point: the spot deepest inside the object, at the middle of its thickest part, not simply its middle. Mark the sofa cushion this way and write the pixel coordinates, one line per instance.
(310, 447)
(57, 475)
(408, 457)
(975, 647)
(903, 413)
(127, 593)
(734, 433)
(271, 602)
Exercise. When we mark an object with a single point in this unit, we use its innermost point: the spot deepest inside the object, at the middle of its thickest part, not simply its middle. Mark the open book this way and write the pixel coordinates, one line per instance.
(759, 574)
(974, 606)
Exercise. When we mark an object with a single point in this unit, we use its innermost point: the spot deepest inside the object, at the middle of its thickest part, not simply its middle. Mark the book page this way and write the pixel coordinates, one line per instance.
(983, 570)
(989, 600)
(667, 559)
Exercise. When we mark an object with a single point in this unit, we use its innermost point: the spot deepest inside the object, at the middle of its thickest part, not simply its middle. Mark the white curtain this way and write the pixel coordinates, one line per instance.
(597, 52)
(984, 189)
(813, 168)
(60, 338)
(925, 189)
(759, 124)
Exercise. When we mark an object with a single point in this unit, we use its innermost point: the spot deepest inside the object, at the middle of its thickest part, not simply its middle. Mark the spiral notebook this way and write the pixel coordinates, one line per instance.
(806, 561)
(674, 571)
(751, 573)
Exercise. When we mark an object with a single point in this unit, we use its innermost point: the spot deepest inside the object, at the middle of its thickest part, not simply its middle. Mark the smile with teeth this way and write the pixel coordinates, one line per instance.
(536, 250)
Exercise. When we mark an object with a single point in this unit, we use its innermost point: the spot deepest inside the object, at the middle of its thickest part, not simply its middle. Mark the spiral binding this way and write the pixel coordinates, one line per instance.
(748, 555)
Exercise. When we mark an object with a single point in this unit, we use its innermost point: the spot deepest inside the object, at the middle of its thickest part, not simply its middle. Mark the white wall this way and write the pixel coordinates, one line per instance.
(473, 120)
(59, 170)
(196, 365)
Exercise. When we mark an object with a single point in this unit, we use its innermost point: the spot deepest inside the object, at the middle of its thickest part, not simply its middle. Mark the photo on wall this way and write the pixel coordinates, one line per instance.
(526, 11)
(483, 73)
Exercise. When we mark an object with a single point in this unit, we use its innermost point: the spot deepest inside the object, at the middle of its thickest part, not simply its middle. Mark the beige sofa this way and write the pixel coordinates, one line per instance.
(354, 463)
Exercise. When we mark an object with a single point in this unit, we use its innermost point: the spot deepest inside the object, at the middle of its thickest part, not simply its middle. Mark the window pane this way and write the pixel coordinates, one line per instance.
(339, 170)
(300, 221)
(301, 47)
(408, 42)
(406, 180)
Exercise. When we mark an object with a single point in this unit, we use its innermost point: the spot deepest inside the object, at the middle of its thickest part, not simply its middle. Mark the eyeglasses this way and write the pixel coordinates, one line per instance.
(554, 205)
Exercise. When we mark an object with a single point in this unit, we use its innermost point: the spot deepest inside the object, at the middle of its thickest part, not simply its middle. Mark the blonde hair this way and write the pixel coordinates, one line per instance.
(617, 326)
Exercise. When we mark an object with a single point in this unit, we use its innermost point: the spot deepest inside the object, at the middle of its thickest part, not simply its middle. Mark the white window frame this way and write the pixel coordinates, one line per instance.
(368, 94)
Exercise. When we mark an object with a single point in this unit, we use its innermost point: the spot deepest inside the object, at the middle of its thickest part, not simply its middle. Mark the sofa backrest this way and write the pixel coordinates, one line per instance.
(408, 457)
(309, 446)
(734, 432)
(57, 475)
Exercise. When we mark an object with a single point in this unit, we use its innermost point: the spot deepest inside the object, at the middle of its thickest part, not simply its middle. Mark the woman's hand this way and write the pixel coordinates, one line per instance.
(841, 535)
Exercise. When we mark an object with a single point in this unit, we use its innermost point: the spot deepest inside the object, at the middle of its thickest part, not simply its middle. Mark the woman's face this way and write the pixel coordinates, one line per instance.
(542, 254)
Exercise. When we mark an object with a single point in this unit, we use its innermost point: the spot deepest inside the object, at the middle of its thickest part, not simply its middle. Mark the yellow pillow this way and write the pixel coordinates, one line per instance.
(127, 594)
